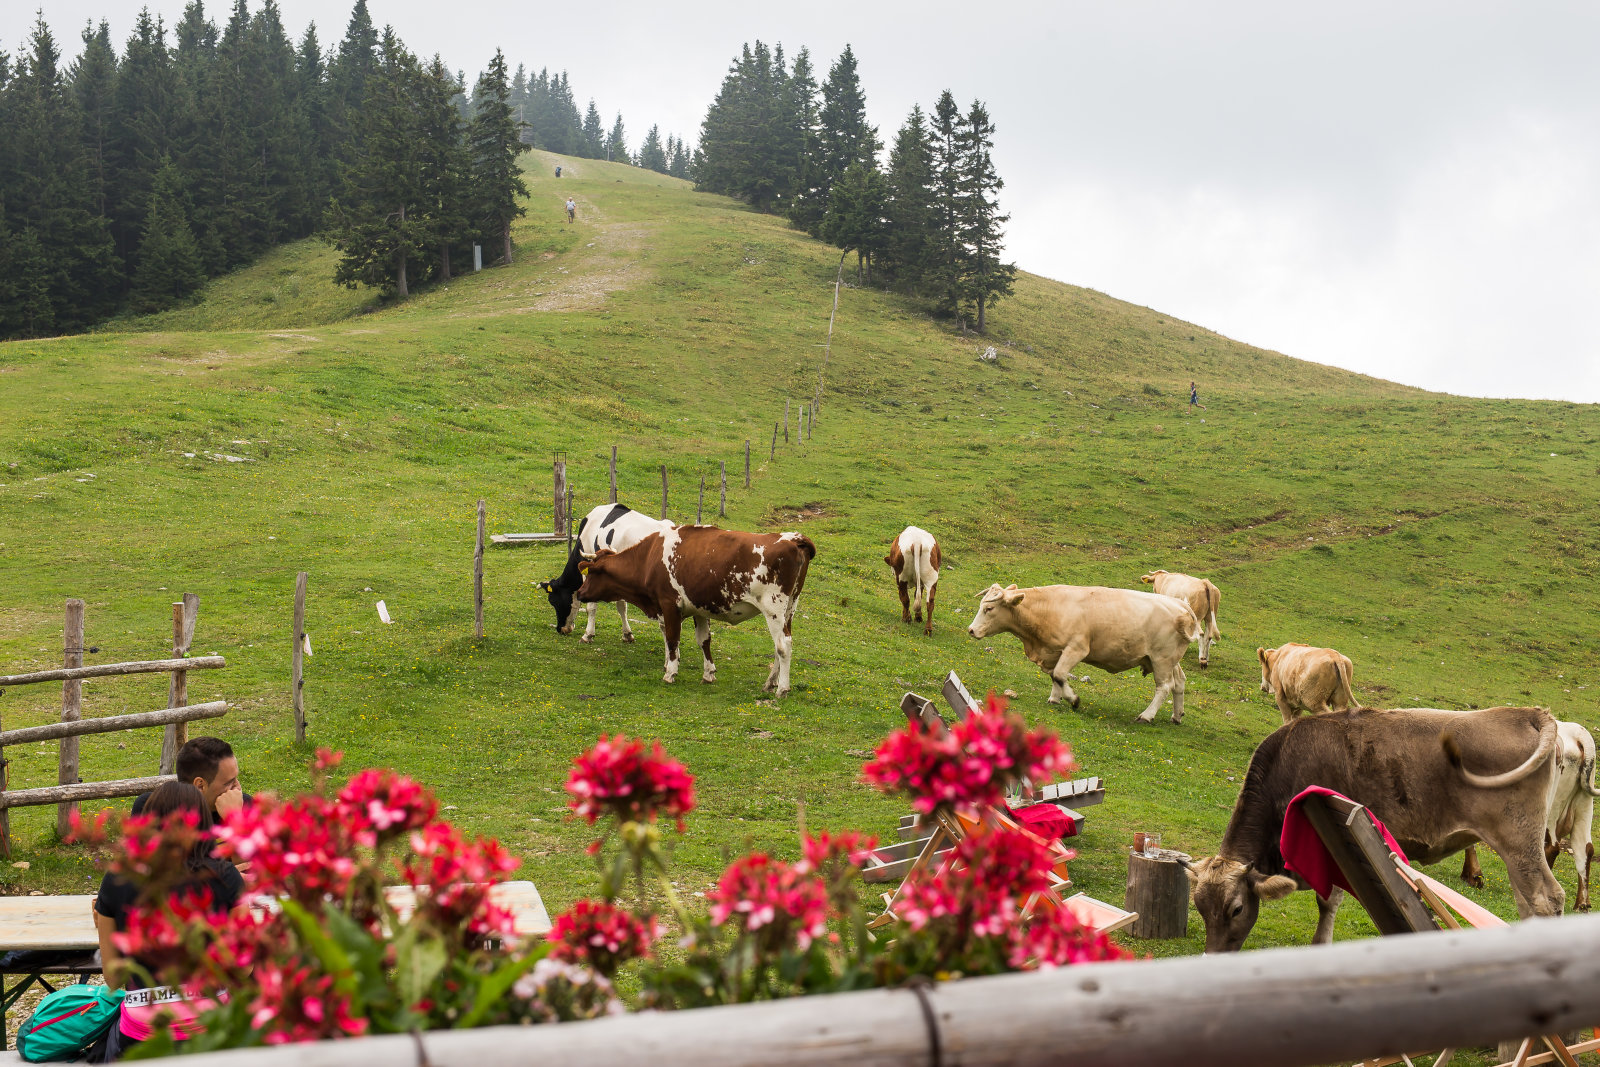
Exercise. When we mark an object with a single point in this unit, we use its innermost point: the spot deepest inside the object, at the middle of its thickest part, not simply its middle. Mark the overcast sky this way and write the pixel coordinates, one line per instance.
(1406, 189)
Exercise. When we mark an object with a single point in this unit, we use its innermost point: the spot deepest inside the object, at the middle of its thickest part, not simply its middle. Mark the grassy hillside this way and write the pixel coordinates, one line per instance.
(1447, 545)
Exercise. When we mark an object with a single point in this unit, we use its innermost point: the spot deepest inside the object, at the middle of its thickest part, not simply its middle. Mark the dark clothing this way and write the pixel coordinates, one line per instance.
(140, 801)
(221, 881)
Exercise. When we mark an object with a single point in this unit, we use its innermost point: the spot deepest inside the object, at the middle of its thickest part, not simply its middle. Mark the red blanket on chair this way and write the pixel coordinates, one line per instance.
(1046, 820)
(1304, 852)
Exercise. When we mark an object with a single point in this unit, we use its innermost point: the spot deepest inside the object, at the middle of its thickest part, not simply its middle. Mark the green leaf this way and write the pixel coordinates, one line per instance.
(418, 962)
(494, 985)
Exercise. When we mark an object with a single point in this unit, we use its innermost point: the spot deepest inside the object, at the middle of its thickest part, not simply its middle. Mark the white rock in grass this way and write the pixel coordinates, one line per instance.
(383, 612)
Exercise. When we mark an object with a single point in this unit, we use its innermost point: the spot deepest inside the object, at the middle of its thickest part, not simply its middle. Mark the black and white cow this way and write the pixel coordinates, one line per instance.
(609, 526)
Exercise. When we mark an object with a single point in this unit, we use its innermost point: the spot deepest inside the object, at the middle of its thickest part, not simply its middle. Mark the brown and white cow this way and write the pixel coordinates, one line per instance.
(1301, 676)
(1439, 780)
(914, 558)
(1113, 629)
(1202, 597)
(1569, 814)
(707, 573)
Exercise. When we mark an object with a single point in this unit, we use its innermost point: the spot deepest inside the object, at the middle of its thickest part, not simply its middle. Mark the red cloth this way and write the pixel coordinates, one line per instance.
(1046, 820)
(1306, 855)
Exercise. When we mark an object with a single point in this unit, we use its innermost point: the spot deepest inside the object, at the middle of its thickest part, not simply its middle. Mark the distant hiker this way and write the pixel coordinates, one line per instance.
(572, 209)
(558, 172)
(1194, 397)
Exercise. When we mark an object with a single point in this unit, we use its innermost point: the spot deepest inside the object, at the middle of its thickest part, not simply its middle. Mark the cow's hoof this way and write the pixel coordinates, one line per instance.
(927, 631)
(1053, 700)
(1583, 905)
(780, 692)
(918, 616)
(1075, 702)
(587, 639)
(669, 678)
(1144, 718)
(708, 678)
(627, 638)
(1204, 664)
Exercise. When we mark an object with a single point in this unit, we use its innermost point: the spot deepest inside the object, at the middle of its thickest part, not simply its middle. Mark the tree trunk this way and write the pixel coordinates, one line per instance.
(444, 262)
(1158, 889)
(508, 242)
(869, 268)
(400, 264)
(981, 328)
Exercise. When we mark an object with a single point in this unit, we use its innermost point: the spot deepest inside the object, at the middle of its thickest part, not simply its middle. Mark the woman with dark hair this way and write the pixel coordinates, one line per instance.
(176, 873)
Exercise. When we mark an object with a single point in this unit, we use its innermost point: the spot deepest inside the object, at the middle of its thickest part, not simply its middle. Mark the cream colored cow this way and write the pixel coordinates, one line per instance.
(1202, 597)
(1114, 629)
(1300, 676)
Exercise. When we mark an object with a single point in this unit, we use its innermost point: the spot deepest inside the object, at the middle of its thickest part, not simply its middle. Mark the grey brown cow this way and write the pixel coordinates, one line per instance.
(1440, 780)
(1300, 676)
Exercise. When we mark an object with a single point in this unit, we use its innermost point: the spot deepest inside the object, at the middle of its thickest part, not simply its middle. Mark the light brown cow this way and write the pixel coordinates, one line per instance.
(1300, 676)
(1569, 815)
(1439, 780)
(1114, 629)
(914, 558)
(707, 573)
(1202, 597)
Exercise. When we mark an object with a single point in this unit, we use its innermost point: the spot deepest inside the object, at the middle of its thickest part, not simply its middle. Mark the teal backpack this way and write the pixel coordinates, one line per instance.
(67, 1022)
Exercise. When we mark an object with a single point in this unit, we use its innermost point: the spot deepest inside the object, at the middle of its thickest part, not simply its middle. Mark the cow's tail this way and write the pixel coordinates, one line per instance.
(1189, 627)
(1586, 771)
(919, 566)
(1541, 754)
(1342, 697)
(1213, 601)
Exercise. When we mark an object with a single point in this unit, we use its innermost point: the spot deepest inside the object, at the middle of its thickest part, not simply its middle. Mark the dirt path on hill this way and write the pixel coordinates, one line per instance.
(606, 263)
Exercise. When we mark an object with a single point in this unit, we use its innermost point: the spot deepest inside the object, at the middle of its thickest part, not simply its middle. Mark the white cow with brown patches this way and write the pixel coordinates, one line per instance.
(914, 558)
(1202, 597)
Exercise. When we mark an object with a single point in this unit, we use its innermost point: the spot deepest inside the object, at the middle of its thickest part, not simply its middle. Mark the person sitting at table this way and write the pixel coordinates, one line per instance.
(196, 872)
(208, 764)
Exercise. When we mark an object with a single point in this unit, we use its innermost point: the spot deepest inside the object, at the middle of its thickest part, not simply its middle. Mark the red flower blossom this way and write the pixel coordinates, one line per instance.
(780, 903)
(971, 764)
(379, 804)
(452, 875)
(978, 889)
(824, 851)
(601, 935)
(293, 1004)
(1054, 937)
(617, 777)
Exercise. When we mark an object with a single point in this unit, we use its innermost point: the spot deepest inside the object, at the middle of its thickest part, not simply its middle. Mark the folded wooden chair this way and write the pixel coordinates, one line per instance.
(1401, 899)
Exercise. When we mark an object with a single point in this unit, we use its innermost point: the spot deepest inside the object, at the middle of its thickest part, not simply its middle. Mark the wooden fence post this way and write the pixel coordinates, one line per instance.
(5, 813)
(774, 453)
(613, 474)
(699, 505)
(663, 490)
(747, 462)
(71, 710)
(560, 472)
(785, 422)
(176, 735)
(722, 503)
(477, 579)
(800, 425)
(299, 647)
(811, 423)
(571, 526)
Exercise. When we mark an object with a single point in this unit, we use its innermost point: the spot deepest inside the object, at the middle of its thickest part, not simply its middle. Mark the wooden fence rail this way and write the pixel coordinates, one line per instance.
(71, 794)
(52, 731)
(104, 670)
(1288, 1007)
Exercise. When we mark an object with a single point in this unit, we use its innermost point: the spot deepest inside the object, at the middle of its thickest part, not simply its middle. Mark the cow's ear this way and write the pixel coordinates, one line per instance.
(889, 560)
(1266, 660)
(1148, 579)
(1193, 868)
(1273, 886)
(1012, 596)
(543, 585)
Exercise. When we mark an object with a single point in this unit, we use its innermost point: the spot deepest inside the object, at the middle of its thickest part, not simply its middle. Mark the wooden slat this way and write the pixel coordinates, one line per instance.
(899, 868)
(1394, 906)
(103, 670)
(956, 695)
(64, 794)
(110, 724)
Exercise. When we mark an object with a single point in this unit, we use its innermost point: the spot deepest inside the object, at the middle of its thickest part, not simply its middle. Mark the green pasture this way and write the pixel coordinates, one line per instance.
(1447, 545)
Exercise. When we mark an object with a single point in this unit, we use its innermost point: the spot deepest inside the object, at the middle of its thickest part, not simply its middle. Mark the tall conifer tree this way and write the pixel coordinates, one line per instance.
(617, 143)
(170, 267)
(910, 210)
(984, 277)
(496, 142)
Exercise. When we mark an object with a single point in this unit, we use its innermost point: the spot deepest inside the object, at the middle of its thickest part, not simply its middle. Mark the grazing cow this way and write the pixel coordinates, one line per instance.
(1439, 780)
(613, 526)
(1114, 629)
(1300, 676)
(707, 573)
(914, 557)
(1202, 597)
(1569, 815)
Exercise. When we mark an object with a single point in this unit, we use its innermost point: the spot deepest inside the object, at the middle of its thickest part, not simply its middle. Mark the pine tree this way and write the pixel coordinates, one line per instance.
(844, 137)
(984, 278)
(594, 133)
(742, 134)
(855, 218)
(617, 143)
(912, 218)
(26, 309)
(446, 163)
(651, 155)
(496, 142)
(93, 82)
(355, 62)
(798, 144)
(311, 102)
(169, 267)
(678, 158)
(943, 264)
(148, 111)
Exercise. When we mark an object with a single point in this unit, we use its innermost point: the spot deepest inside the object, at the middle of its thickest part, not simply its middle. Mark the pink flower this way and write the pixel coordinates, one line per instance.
(617, 777)
(601, 935)
(781, 903)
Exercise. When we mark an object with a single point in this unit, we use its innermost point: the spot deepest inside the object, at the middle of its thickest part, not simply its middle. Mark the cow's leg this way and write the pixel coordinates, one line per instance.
(782, 652)
(928, 627)
(1326, 911)
(1536, 890)
(671, 630)
(905, 601)
(1286, 709)
(1583, 845)
(588, 631)
(1061, 674)
(627, 631)
(1177, 683)
(1205, 649)
(1471, 870)
(702, 635)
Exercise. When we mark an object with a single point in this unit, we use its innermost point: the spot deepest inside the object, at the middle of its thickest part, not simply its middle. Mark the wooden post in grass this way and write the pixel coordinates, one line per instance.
(663, 490)
(699, 505)
(722, 502)
(5, 813)
(298, 683)
(613, 474)
(571, 526)
(560, 517)
(747, 462)
(1158, 889)
(71, 710)
(184, 614)
(477, 579)
(774, 453)
(785, 422)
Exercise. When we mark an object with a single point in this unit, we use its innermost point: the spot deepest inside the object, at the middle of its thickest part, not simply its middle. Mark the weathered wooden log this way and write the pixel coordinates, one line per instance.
(700, 503)
(185, 613)
(297, 682)
(1158, 889)
(747, 462)
(561, 518)
(71, 794)
(477, 579)
(773, 454)
(1287, 1007)
(106, 670)
(71, 711)
(51, 731)
(785, 422)
(613, 474)
(663, 490)
(722, 501)
(5, 819)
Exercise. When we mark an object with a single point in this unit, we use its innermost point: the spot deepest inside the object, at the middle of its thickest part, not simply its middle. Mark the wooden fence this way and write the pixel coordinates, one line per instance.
(1287, 1007)
(174, 718)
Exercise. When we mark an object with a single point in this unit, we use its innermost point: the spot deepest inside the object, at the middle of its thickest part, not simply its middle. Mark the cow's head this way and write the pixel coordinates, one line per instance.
(562, 600)
(599, 581)
(994, 614)
(1228, 896)
(1150, 579)
(1265, 656)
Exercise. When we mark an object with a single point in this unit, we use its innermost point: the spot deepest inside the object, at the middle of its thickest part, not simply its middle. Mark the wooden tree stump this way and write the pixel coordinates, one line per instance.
(1158, 889)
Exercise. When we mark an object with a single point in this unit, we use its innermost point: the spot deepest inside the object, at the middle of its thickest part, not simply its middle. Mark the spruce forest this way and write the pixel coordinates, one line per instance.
(128, 179)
